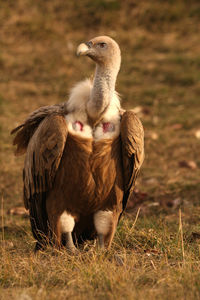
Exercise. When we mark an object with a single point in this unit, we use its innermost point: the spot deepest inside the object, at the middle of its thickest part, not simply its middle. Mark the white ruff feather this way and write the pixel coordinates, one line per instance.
(103, 221)
(66, 222)
(76, 107)
(79, 96)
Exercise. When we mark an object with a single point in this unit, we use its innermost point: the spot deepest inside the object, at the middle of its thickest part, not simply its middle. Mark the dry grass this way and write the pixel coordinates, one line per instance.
(159, 256)
(145, 261)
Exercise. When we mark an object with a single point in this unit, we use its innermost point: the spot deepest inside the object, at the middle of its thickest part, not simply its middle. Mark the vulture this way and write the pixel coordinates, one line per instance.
(82, 157)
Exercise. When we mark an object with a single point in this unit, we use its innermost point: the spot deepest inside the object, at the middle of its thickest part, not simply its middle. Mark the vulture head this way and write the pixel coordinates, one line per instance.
(103, 50)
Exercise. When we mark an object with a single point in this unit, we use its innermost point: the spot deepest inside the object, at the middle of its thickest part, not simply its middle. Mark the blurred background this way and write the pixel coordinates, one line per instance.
(159, 79)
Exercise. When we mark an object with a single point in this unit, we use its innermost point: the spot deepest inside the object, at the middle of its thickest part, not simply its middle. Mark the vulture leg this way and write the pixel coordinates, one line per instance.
(69, 244)
(61, 224)
(101, 243)
(67, 225)
(105, 227)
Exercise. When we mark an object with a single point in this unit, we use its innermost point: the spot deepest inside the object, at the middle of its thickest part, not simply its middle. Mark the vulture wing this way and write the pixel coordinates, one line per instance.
(43, 156)
(132, 136)
(44, 147)
(26, 130)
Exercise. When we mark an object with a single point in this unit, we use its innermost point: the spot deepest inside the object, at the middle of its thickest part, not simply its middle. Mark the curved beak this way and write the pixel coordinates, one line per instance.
(82, 49)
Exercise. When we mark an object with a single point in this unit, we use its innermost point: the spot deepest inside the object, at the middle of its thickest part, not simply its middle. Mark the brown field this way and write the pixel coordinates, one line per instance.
(156, 250)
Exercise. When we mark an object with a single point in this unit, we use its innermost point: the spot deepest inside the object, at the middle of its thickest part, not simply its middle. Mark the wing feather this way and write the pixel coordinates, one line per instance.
(42, 136)
(26, 130)
(43, 156)
(132, 137)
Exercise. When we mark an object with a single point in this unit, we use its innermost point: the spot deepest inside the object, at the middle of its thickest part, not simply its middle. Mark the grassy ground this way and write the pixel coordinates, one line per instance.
(155, 253)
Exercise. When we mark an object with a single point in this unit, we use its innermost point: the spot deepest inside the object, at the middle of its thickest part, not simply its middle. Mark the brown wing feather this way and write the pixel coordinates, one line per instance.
(42, 160)
(132, 136)
(26, 130)
(43, 156)
(46, 137)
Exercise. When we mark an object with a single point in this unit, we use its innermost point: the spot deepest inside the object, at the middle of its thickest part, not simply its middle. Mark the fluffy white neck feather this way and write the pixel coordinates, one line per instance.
(80, 96)
(77, 113)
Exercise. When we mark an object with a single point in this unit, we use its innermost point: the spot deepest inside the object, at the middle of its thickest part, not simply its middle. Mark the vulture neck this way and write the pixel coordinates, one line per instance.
(102, 91)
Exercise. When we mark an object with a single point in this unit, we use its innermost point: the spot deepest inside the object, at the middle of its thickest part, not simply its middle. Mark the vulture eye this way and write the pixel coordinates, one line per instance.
(102, 45)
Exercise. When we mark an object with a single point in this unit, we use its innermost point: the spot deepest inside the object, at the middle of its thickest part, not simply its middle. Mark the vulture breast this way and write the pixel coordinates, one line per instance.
(86, 178)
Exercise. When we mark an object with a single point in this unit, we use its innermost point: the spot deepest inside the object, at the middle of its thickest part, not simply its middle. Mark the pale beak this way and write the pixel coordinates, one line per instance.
(82, 49)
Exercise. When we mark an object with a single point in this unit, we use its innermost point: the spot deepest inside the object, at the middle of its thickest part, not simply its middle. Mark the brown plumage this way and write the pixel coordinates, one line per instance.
(78, 174)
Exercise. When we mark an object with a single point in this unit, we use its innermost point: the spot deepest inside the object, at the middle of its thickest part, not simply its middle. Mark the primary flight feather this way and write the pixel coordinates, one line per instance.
(82, 157)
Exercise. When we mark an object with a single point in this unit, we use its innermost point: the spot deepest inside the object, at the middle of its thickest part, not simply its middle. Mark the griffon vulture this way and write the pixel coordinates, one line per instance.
(82, 157)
